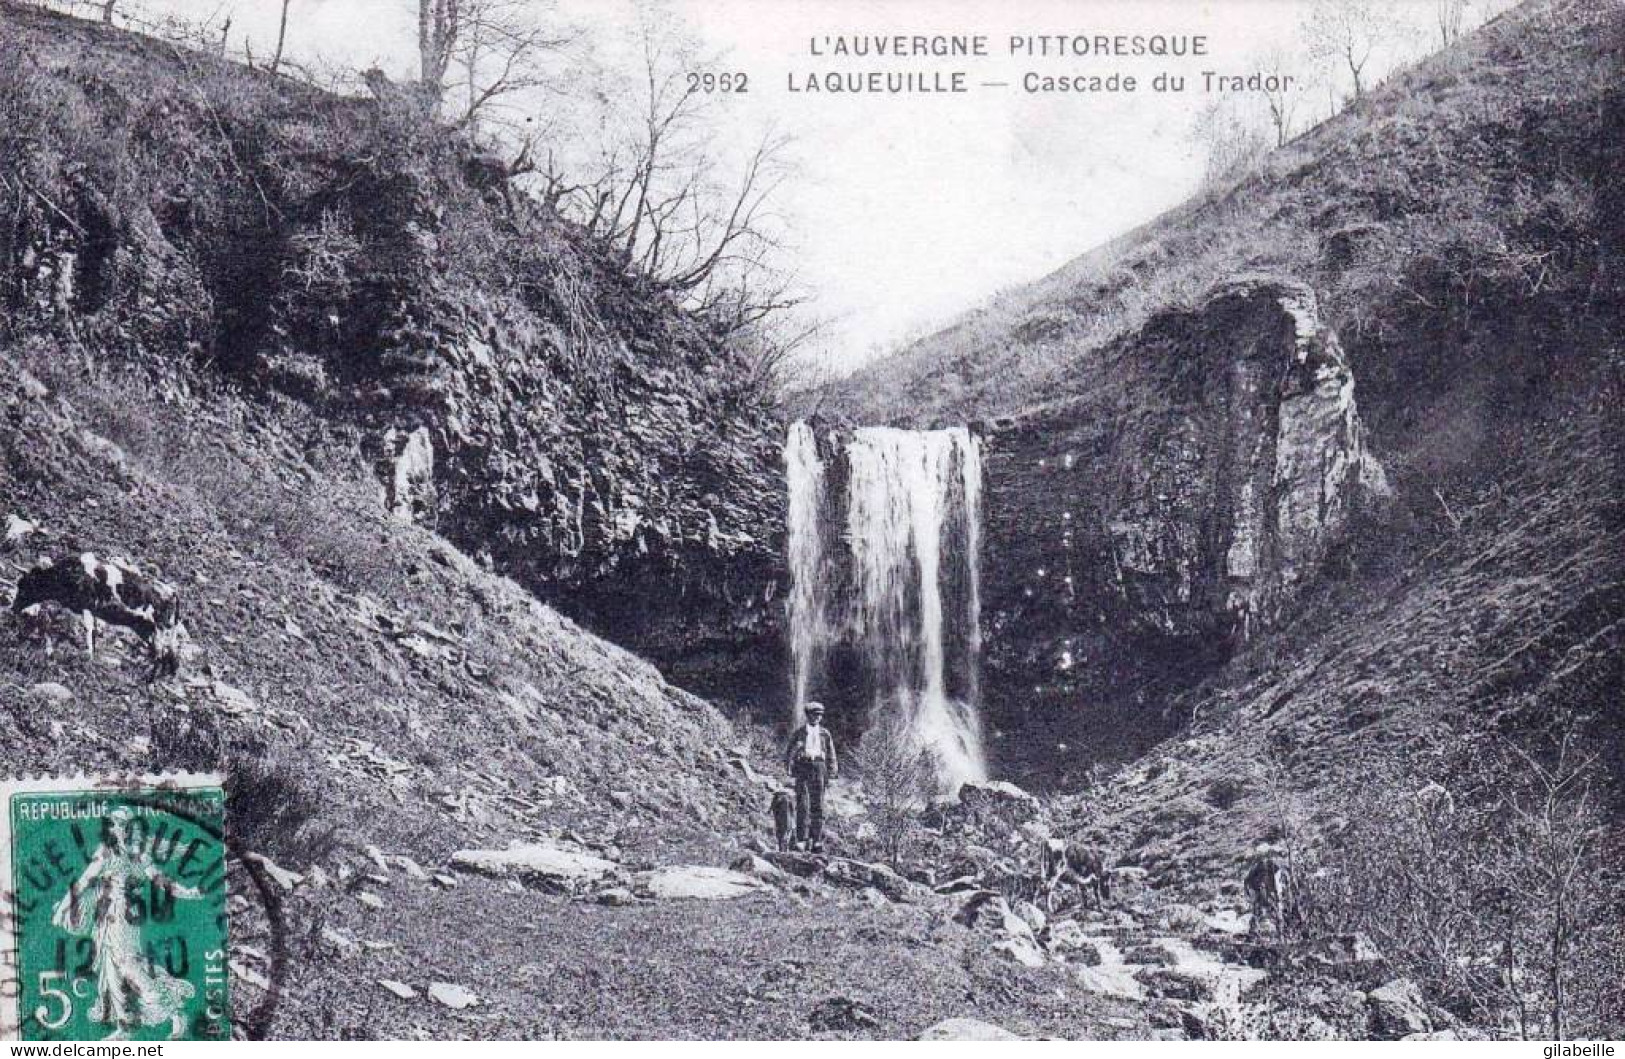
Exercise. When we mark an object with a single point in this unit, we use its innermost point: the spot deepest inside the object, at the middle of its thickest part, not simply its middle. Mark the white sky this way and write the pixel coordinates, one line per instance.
(907, 210)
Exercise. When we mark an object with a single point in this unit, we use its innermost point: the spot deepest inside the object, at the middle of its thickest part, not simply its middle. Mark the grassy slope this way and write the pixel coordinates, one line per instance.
(1454, 637)
(1438, 184)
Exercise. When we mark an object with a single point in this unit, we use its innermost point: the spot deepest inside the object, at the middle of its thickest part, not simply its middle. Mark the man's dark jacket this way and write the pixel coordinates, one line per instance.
(793, 755)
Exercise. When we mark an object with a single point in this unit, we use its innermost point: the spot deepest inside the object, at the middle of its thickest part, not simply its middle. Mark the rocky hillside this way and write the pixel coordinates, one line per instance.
(520, 391)
(1310, 375)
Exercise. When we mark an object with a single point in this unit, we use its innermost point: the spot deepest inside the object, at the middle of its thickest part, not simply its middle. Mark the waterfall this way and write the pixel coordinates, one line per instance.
(900, 591)
(805, 475)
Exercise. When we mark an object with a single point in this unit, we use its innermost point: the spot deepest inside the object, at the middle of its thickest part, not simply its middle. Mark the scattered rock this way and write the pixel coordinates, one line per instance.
(284, 878)
(1067, 938)
(452, 996)
(841, 1013)
(1180, 919)
(400, 989)
(1173, 983)
(371, 900)
(1031, 915)
(698, 882)
(341, 941)
(616, 897)
(1152, 954)
(19, 529)
(1397, 1010)
(232, 700)
(996, 793)
(988, 913)
(853, 874)
(959, 884)
(249, 975)
(1346, 951)
(409, 490)
(412, 868)
(751, 864)
(50, 693)
(860, 875)
(966, 1030)
(541, 863)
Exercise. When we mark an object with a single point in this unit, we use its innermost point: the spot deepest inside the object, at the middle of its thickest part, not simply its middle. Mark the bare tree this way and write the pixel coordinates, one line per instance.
(1232, 136)
(899, 779)
(482, 52)
(1347, 33)
(440, 25)
(503, 51)
(661, 190)
(1449, 16)
(1495, 897)
(1550, 864)
(281, 37)
(1283, 99)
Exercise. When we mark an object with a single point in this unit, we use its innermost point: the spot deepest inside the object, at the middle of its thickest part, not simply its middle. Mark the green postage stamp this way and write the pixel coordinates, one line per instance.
(113, 919)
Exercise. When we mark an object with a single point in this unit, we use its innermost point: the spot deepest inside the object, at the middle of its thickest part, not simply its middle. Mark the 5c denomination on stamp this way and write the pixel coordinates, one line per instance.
(113, 909)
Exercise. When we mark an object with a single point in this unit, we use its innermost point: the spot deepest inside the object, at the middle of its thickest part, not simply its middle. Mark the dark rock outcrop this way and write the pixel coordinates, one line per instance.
(518, 387)
(1139, 532)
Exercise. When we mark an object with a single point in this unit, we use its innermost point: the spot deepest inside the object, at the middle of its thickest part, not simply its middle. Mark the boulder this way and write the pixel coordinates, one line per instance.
(1347, 952)
(766, 870)
(1113, 981)
(860, 875)
(1150, 954)
(1066, 937)
(847, 873)
(1397, 1010)
(1180, 919)
(1031, 915)
(697, 882)
(963, 1029)
(18, 529)
(546, 864)
(1022, 948)
(409, 492)
(50, 693)
(803, 865)
(453, 996)
(840, 1013)
(999, 794)
(1175, 984)
(988, 913)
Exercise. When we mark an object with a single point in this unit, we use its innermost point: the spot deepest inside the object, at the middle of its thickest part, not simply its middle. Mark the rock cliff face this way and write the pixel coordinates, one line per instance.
(1145, 529)
(517, 387)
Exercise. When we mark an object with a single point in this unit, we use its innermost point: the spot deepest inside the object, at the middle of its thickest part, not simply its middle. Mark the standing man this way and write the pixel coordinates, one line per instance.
(812, 764)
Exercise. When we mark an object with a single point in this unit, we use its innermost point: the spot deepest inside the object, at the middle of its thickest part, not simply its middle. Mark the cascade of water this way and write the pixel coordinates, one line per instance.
(912, 511)
(804, 472)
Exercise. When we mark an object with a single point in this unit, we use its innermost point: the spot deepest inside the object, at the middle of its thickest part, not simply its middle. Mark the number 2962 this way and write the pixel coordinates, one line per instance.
(736, 83)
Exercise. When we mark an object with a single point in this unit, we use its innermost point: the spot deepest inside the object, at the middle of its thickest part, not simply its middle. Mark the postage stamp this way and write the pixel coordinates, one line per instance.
(113, 909)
